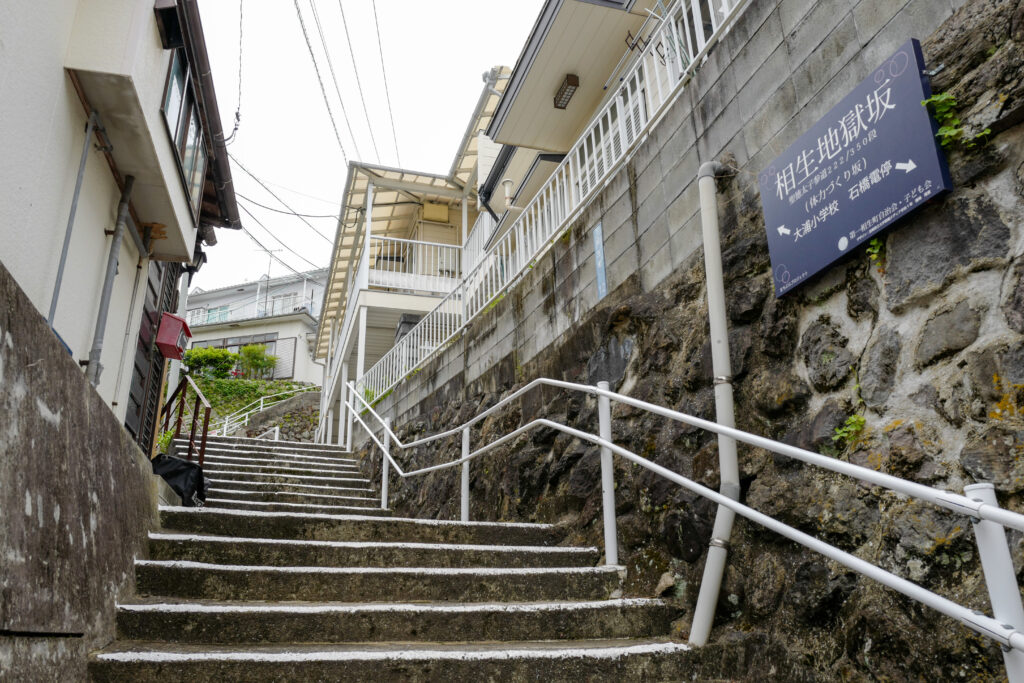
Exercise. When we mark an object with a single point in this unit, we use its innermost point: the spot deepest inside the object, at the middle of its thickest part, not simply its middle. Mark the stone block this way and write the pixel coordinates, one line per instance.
(819, 67)
(650, 208)
(751, 56)
(656, 263)
(617, 213)
(947, 332)
(620, 269)
(648, 181)
(772, 117)
(680, 171)
(792, 12)
(618, 240)
(809, 34)
(770, 75)
(878, 369)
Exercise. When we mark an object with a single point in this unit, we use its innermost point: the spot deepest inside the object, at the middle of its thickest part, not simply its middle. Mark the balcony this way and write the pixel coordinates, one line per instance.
(411, 267)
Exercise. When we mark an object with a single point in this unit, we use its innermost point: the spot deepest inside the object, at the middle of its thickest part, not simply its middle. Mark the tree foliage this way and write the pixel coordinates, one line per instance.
(255, 362)
(210, 363)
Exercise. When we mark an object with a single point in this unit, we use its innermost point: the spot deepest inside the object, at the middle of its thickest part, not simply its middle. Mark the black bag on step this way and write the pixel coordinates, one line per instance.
(186, 478)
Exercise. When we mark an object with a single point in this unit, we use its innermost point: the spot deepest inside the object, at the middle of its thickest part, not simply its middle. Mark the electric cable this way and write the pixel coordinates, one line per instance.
(287, 213)
(359, 85)
(238, 109)
(323, 90)
(387, 89)
(275, 196)
(334, 77)
(282, 243)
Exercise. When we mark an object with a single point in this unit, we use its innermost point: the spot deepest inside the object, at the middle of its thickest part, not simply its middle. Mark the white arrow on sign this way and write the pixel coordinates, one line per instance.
(908, 167)
(783, 230)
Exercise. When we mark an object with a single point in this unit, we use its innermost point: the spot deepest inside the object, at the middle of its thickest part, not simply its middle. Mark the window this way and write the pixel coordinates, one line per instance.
(218, 314)
(183, 124)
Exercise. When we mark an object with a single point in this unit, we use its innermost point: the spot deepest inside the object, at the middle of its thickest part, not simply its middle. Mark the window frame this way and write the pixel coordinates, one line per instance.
(187, 120)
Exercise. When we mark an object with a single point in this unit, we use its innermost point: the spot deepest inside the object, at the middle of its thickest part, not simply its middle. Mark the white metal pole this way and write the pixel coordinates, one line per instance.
(1000, 578)
(347, 389)
(343, 421)
(604, 416)
(330, 425)
(711, 582)
(384, 466)
(465, 476)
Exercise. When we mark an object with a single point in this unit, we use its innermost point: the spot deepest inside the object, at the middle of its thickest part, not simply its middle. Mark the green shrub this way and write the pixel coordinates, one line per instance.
(210, 363)
(255, 362)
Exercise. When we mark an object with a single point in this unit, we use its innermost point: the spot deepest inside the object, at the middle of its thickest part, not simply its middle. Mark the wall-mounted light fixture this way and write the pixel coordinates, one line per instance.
(566, 90)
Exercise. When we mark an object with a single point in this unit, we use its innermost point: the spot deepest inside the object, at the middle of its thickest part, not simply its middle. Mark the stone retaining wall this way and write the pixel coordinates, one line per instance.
(924, 345)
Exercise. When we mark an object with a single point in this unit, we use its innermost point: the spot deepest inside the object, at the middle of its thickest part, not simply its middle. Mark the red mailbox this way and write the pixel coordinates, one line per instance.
(172, 336)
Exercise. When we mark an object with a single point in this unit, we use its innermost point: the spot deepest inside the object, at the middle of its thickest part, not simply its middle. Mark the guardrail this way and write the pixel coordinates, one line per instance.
(275, 431)
(672, 51)
(181, 396)
(981, 506)
(414, 266)
(240, 417)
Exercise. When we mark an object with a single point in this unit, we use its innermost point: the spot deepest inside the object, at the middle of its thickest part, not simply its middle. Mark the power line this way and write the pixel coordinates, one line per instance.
(359, 85)
(387, 90)
(238, 109)
(274, 195)
(323, 90)
(334, 77)
(287, 213)
(278, 238)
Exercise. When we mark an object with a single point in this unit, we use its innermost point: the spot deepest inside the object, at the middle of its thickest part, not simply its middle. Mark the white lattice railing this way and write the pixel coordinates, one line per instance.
(674, 48)
(414, 266)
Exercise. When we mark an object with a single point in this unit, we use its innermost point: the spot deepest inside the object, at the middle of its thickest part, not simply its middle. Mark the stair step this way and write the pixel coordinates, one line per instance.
(241, 461)
(274, 487)
(184, 579)
(264, 445)
(283, 478)
(309, 456)
(220, 522)
(271, 496)
(283, 552)
(237, 504)
(648, 659)
(256, 622)
(284, 470)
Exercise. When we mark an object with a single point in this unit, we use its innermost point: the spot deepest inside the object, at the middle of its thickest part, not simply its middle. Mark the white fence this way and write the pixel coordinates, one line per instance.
(407, 265)
(674, 48)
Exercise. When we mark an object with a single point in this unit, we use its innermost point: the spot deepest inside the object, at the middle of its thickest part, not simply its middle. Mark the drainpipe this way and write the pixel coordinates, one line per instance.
(94, 368)
(92, 123)
(711, 583)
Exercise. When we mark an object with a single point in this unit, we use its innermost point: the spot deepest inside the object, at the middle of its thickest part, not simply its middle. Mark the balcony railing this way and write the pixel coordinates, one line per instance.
(675, 48)
(247, 311)
(411, 266)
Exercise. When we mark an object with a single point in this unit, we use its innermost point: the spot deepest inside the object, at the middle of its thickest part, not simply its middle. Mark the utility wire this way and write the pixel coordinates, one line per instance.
(287, 213)
(359, 84)
(387, 90)
(238, 109)
(275, 196)
(270, 252)
(323, 90)
(257, 221)
(334, 77)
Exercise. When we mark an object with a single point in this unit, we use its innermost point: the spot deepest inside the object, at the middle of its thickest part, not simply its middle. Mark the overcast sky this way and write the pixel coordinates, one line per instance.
(434, 54)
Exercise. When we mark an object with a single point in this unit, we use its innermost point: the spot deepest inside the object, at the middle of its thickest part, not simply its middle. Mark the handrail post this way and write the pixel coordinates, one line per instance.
(604, 416)
(261, 403)
(384, 466)
(465, 476)
(1000, 578)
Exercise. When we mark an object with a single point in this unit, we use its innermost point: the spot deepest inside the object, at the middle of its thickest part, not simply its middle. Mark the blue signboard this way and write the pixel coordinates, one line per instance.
(869, 161)
(602, 280)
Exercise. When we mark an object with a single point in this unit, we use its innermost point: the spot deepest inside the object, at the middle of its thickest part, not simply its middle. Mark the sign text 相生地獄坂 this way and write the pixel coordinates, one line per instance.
(869, 161)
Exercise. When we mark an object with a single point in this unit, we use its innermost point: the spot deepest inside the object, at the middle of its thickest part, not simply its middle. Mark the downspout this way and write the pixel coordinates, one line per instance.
(711, 583)
(92, 123)
(94, 368)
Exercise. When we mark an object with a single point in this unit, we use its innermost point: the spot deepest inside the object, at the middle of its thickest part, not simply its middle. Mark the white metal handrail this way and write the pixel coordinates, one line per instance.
(241, 416)
(983, 510)
(275, 431)
(659, 73)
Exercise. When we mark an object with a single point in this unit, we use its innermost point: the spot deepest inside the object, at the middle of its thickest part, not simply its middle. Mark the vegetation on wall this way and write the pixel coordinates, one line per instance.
(228, 395)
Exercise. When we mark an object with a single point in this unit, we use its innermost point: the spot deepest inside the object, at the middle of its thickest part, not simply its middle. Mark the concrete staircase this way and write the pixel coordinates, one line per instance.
(293, 572)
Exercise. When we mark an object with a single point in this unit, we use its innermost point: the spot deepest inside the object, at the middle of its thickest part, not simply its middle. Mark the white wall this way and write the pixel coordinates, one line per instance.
(305, 370)
(43, 125)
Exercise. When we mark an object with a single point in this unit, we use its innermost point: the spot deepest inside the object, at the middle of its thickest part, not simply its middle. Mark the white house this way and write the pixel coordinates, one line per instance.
(280, 313)
(115, 173)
